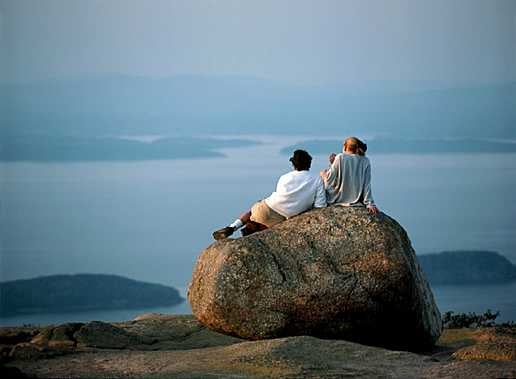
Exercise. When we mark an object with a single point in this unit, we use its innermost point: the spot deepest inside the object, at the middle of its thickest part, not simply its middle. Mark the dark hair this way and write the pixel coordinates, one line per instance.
(301, 160)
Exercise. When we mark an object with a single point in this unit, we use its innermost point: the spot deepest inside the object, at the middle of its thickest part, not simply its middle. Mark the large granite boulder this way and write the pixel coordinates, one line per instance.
(336, 272)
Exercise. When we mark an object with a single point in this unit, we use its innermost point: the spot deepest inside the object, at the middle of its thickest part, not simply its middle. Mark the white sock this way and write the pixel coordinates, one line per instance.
(237, 224)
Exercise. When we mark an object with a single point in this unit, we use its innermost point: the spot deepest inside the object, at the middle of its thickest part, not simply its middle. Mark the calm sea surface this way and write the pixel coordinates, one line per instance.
(149, 220)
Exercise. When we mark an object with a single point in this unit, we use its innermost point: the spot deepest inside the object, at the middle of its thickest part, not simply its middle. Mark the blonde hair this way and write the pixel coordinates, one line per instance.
(355, 146)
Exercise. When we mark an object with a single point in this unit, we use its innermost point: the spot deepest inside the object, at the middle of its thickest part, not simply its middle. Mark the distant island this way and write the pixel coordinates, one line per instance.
(50, 148)
(81, 292)
(409, 146)
(467, 267)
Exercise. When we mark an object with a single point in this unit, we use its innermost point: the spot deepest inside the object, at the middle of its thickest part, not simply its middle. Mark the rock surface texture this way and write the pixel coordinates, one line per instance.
(336, 272)
(171, 346)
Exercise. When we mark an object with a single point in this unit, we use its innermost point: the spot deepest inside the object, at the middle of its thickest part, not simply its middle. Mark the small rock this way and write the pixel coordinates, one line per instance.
(487, 351)
(28, 351)
(14, 335)
(5, 350)
(66, 331)
(107, 336)
(61, 345)
(150, 316)
(497, 344)
(175, 332)
(43, 337)
(478, 344)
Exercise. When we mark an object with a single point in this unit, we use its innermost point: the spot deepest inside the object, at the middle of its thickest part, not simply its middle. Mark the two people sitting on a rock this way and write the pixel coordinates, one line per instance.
(347, 181)
(297, 191)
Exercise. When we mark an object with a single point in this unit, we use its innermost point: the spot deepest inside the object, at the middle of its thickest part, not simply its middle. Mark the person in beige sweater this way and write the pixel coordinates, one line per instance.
(348, 180)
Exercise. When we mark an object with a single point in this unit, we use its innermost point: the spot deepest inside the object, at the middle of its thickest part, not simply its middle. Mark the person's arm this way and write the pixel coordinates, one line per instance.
(330, 175)
(368, 195)
(320, 195)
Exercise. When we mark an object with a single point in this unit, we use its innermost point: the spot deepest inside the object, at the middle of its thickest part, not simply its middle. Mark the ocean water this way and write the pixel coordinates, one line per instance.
(149, 220)
(477, 298)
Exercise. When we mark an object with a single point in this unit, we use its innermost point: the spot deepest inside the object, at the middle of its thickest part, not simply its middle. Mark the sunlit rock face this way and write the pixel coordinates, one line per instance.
(337, 272)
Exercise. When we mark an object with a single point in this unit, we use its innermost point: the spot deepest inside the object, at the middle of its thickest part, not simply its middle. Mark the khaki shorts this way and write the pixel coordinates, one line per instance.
(262, 213)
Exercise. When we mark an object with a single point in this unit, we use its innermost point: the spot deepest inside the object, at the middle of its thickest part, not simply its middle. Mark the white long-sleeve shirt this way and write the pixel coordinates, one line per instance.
(348, 180)
(296, 192)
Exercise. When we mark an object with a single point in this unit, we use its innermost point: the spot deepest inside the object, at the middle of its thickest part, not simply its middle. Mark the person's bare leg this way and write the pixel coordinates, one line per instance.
(229, 230)
(245, 217)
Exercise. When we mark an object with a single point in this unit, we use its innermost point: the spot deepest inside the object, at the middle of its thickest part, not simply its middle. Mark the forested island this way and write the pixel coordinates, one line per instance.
(80, 292)
(61, 148)
(409, 146)
(467, 267)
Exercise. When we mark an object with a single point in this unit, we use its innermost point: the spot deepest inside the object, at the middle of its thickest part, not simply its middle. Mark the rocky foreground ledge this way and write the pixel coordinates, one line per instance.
(165, 346)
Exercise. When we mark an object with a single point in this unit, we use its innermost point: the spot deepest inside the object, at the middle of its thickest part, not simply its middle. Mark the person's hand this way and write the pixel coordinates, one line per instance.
(331, 158)
(372, 209)
(323, 174)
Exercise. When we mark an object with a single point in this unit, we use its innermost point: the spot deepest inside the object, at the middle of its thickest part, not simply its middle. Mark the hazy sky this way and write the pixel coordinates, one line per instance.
(317, 41)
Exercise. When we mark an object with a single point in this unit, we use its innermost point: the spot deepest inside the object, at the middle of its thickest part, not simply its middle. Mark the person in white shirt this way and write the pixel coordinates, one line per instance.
(348, 180)
(297, 191)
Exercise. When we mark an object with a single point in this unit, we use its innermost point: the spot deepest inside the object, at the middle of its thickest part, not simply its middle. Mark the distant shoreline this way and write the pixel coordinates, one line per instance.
(51, 149)
(127, 148)
(409, 146)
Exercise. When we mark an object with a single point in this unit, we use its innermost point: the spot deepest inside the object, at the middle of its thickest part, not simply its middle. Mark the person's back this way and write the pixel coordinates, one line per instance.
(348, 180)
(296, 192)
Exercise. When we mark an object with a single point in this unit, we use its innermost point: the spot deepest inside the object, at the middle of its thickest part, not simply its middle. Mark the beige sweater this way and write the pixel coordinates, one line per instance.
(348, 181)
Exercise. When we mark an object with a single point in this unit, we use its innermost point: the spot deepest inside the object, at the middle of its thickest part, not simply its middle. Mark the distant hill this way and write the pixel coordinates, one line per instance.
(467, 267)
(66, 293)
(408, 146)
(74, 148)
